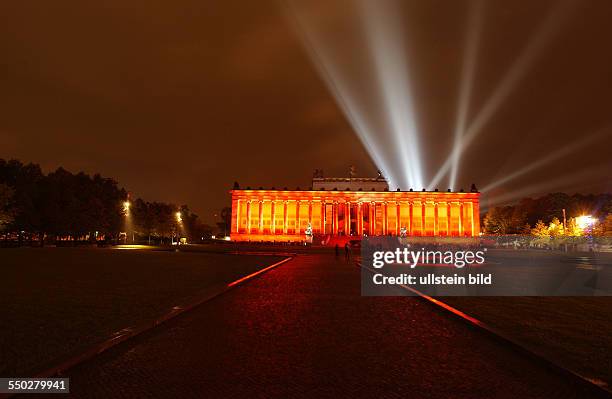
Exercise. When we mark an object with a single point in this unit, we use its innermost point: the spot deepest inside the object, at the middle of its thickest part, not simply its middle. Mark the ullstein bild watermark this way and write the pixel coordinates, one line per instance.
(401, 266)
(412, 258)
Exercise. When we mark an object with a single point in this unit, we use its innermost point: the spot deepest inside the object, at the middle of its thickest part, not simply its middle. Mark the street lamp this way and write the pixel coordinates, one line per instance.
(128, 221)
(585, 222)
(179, 221)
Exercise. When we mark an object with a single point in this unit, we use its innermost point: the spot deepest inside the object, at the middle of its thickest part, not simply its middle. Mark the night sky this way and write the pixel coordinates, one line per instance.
(177, 100)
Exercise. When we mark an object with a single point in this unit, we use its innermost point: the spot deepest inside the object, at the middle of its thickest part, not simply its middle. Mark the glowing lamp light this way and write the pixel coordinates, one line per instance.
(179, 217)
(126, 206)
(585, 222)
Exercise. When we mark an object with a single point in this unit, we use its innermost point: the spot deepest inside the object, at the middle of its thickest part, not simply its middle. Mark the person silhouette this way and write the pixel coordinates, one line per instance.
(347, 251)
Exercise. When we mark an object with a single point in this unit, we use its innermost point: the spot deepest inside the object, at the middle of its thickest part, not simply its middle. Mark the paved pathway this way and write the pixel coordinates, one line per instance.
(303, 330)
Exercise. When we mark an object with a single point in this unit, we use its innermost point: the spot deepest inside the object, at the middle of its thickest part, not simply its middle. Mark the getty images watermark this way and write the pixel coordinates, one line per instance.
(411, 258)
(401, 266)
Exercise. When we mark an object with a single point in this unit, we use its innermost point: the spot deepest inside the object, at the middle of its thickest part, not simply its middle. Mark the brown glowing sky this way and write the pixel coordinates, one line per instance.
(176, 100)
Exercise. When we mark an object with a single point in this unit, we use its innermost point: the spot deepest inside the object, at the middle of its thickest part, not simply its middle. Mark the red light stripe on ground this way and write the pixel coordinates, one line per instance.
(532, 352)
(131, 332)
(436, 302)
(445, 306)
(240, 280)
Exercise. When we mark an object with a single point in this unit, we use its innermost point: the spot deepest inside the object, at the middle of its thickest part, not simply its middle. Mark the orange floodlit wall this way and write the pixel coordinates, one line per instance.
(284, 215)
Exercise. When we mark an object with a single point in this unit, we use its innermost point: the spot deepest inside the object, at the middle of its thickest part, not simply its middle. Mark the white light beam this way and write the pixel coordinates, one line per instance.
(339, 87)
(568, 149)
(384, 37)
(517, 71)
(474, 24)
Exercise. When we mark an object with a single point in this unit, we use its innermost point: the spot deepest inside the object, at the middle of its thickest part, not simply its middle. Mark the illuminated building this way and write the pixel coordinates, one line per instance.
(351, 207)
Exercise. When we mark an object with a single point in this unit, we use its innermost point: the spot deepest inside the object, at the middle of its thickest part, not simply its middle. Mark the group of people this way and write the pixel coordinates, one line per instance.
(347, 251)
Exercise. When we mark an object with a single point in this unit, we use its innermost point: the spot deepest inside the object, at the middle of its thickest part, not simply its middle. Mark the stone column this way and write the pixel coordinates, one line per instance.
(423, 217)
(260, 216)
(310, 212)
(369, 230)
(398, 214)
(359, 220)
(285, 217)
(410, 216)
(272, 218)
(436, 229)
(475, 217)
(385, 221)
(333, 221)
(347, 218)
(448, 218)
(236, 217)
(472, 219)
(336, 217)
(372, 218)
(323, 217)
(249, 217)
(297, 217)
(461, 218)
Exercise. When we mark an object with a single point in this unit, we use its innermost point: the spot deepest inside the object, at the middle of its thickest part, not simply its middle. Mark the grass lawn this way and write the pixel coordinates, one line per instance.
(59, 301)
(575, 332)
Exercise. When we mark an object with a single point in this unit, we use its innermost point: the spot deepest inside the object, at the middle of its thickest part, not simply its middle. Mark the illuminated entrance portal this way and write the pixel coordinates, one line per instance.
(351, 207)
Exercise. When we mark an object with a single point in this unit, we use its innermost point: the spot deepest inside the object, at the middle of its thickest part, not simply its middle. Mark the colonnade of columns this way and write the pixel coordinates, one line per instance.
(414, 217)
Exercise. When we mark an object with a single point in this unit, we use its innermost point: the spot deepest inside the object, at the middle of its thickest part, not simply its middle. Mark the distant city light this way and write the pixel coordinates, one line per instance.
(132, 246)
(585, 222)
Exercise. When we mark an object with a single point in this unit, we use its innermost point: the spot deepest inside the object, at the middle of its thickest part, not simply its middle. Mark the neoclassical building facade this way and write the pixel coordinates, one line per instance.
(351, 207)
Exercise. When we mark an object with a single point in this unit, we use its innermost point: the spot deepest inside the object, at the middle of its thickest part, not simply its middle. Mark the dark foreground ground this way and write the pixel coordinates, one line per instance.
(575, 332)
(303, 330)
(58, 302)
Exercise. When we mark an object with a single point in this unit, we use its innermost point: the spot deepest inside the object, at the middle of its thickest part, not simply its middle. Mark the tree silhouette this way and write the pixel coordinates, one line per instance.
(6, 206)
(63, 204)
